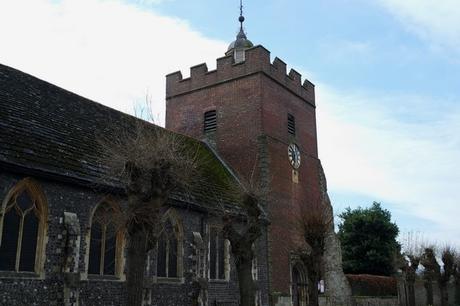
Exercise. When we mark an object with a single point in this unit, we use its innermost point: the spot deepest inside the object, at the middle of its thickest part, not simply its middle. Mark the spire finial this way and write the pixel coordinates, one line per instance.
(241, 19)
(242, 43)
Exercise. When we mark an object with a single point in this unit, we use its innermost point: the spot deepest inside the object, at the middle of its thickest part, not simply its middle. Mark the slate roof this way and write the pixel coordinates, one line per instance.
(48, 129)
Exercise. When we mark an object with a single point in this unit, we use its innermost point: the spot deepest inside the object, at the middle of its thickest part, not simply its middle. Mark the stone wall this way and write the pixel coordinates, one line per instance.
(376, 301)
(420, 293)
(363, 301)
(64, 280)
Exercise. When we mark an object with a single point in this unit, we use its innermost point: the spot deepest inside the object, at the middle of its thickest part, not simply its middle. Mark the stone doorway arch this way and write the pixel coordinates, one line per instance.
(299, 285)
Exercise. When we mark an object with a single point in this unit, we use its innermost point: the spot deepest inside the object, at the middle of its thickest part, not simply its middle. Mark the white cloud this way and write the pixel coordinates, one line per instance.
(109, 51)
(436, 21)
(370, 146)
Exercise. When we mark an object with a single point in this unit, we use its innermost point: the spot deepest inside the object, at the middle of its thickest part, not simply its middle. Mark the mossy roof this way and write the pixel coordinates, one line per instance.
(51, 130)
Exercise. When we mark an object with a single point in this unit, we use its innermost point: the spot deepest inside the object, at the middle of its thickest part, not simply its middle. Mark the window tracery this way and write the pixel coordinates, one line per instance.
(167, 253)
(105, 241)
(169, 248)
(219, 264)
(22, 228)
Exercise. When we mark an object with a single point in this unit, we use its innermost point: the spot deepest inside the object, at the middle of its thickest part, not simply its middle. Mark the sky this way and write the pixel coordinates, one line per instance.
(387, 76)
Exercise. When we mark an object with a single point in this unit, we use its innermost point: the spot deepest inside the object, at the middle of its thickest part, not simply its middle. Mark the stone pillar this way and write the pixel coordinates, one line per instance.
(338, 289)
(70, 269)
(198, 271)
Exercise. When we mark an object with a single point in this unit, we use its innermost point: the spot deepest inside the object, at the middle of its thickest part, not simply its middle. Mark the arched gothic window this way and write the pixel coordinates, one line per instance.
(219, 255)
(105, 240)
(169, 249)
(22, 228)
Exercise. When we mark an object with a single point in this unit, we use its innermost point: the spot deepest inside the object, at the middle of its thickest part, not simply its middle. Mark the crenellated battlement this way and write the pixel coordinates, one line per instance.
(257, 61)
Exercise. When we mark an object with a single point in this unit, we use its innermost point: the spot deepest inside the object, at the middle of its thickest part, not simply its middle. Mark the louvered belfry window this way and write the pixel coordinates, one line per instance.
(291, 124)
(210, 121)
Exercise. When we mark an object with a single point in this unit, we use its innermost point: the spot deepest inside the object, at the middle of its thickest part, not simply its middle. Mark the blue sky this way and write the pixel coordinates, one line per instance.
(387, 74)
(348, 43)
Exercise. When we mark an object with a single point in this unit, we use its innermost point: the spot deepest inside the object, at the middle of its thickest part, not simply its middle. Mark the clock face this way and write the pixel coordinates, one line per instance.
(294, 155)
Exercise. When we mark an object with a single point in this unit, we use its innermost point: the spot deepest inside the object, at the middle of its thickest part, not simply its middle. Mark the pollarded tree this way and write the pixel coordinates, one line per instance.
(410, 270)
(412, 253)
(448, 261)
(315, 222)
(368, 239)
(431, 272)
(150, 163)
(243, 234)
(457, 278)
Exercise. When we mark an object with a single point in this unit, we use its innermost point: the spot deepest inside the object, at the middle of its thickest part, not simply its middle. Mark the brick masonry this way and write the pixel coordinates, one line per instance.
(253, 100)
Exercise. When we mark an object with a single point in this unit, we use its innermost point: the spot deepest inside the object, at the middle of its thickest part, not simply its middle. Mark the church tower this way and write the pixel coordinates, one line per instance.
(261, 120)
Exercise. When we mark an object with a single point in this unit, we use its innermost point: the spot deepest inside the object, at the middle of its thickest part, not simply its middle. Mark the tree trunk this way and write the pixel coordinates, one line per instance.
(429, 292)
(246, 283)
(313, 279)
(135, 268)
(411, 293)
(444, 294)
(312, 262)
(457, 292)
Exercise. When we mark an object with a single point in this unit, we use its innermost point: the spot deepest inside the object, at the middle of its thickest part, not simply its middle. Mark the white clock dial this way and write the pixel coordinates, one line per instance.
(294, 155)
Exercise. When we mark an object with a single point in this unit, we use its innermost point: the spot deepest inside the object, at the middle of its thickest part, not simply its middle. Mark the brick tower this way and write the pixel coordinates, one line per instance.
(262, 122)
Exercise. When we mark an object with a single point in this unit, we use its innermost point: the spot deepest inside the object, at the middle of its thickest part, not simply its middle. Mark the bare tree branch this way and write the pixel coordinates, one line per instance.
(150, 163)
